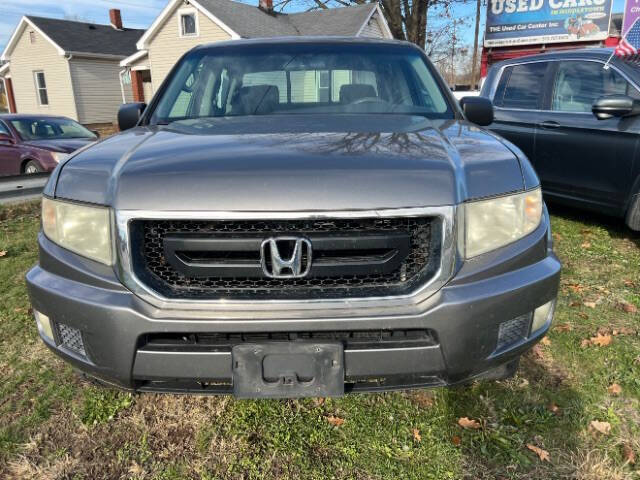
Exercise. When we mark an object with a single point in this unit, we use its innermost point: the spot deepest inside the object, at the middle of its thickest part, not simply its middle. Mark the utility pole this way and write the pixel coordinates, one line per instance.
(474, 66)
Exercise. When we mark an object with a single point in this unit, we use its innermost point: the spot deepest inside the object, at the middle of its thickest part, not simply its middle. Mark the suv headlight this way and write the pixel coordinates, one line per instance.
(494, 223)
(58, 157)
(83, 229)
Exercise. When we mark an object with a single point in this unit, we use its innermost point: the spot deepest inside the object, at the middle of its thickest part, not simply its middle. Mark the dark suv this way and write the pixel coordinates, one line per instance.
(575, 114)
(293, 218)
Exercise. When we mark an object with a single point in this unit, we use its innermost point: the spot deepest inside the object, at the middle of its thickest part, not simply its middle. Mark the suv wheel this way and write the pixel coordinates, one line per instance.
(32, 167)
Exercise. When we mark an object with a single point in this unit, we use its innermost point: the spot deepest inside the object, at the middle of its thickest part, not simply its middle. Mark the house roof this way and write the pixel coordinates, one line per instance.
(249, 21)
(89, 38)
(241, 20)
(71, 37)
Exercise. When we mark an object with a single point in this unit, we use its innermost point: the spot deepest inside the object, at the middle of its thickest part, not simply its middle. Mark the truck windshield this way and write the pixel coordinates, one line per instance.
(50, 128)
(338, 80)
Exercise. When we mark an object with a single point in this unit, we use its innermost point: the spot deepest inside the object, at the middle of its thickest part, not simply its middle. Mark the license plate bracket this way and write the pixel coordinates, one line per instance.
(288, 370)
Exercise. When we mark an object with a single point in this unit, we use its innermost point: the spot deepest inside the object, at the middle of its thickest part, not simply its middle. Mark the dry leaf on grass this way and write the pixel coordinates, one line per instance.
(553, 408)
(590, 304)
(563, 327)
(543, 455)
(545, 341)
(468, 423)
(601, 340)
(629, 283)
(614, 389)
(626, 331)
(628, 454)
(3, 253)
(335, 421)
(576, 287)
(537, 352)
(628, 307)
(586, 245)
(424, 399)
(602, 427)
(416, 435)
(456, 440)
(136, 469)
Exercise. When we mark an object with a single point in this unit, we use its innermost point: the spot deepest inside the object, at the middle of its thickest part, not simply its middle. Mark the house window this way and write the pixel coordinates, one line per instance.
(41, 88)
(32, 37)
(188, 24)
(323, 86)
(126, 77)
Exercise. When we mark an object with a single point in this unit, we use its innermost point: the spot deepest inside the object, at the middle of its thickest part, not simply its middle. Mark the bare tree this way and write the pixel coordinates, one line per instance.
(407, 19)
(476, 38)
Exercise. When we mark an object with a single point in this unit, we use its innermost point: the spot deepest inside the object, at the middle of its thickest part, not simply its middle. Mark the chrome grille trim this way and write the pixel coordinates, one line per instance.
(446, 214)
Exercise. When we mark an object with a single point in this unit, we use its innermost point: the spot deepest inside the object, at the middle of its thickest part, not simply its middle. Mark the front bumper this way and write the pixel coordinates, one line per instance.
(463, 320)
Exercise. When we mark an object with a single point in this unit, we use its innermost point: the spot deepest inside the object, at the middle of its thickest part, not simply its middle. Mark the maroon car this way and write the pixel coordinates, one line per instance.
(37, 143)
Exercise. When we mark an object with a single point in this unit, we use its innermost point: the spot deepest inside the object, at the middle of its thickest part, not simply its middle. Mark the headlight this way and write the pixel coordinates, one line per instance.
(494, 223)
(83, 229)
(58, 157)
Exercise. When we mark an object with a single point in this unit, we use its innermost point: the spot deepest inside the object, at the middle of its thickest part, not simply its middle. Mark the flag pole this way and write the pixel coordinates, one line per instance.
(623, 36)
(606, 64)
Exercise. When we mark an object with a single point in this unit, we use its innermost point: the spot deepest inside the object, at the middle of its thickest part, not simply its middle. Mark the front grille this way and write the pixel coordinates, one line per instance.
(351, 339)
(151, 267)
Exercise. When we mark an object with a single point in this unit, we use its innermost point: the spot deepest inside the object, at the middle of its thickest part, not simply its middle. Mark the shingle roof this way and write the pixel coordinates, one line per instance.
(250, 22)
(89, 38)
(345, 21)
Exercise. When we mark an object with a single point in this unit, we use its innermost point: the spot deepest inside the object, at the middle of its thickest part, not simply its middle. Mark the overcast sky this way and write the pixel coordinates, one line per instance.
(136, 13)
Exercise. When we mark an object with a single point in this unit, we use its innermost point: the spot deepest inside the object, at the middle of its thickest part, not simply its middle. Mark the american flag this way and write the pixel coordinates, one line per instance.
(630, 43)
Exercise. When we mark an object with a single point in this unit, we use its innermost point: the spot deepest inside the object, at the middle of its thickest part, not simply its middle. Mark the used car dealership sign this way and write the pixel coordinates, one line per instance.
(521, 22)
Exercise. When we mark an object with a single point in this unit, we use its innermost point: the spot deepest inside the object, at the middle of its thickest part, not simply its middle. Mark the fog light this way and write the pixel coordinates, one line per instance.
(514, 330)
(44, 325)
(543, 315)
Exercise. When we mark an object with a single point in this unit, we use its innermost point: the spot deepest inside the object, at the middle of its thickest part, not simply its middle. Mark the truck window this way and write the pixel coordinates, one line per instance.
(523, 86)
(578, 84)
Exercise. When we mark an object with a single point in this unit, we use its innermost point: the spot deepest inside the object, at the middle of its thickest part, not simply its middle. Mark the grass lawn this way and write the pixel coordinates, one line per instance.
(575, 398)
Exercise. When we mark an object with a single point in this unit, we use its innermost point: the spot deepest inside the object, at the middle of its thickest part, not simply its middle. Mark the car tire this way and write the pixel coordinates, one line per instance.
(633, 214)
(32, 167)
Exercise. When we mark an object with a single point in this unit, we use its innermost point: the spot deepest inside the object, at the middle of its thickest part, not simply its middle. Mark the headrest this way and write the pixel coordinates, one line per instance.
(256, 99)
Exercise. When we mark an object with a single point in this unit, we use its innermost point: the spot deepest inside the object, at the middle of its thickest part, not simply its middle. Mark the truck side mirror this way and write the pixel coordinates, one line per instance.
(611, 106)
(478, 110)
(129, 114)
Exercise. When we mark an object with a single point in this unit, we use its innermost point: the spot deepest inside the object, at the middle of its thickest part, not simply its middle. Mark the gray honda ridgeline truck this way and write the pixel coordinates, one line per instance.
(296, 218)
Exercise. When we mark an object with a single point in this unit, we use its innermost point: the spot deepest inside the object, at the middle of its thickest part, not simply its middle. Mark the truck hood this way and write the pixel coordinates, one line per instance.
(293, 162)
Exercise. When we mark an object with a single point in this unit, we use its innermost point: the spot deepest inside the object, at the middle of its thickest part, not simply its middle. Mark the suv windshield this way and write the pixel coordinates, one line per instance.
(50, 128)
(307, 79)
